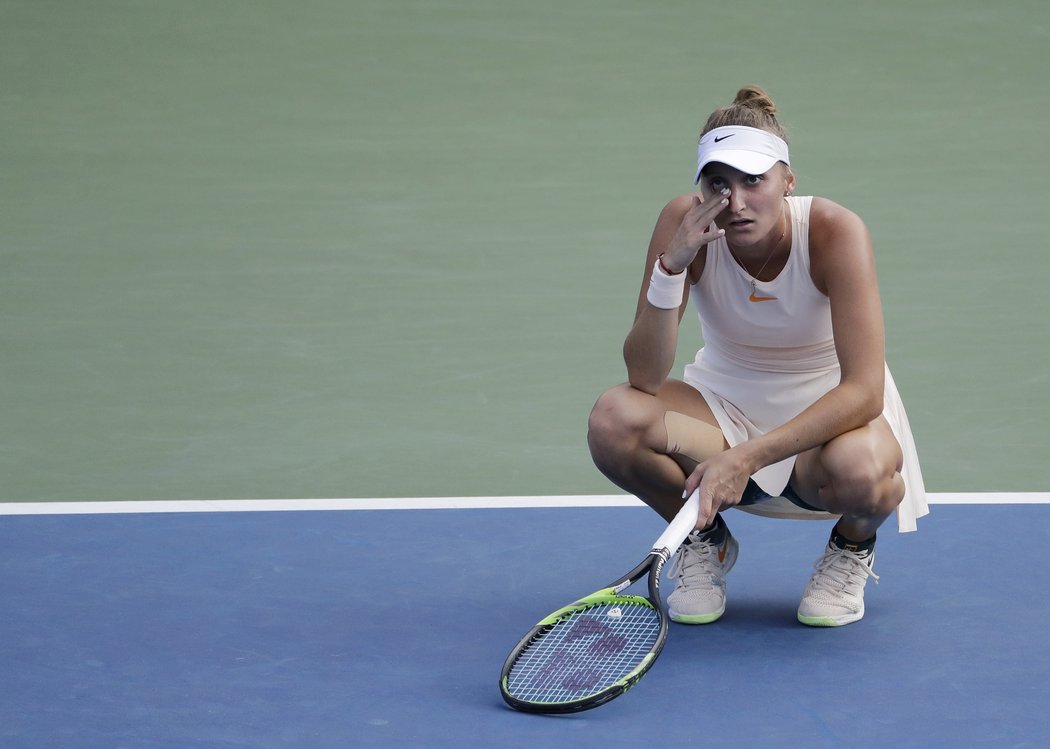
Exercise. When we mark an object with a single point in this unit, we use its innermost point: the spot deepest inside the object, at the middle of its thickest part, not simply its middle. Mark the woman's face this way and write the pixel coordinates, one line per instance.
(756, 201)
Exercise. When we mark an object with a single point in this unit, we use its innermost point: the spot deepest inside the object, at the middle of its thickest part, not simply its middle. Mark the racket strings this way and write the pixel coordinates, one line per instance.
(586, 652)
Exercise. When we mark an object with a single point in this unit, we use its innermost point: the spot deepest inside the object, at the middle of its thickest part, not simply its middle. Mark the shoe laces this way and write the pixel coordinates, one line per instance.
(838, 569)
(696, 565)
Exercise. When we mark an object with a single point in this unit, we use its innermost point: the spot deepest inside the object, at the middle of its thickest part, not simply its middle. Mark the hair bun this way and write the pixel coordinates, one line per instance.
(755, 97)
(752, 108)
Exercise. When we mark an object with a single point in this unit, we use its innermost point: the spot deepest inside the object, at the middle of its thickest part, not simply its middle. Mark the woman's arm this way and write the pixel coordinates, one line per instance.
(683, 228)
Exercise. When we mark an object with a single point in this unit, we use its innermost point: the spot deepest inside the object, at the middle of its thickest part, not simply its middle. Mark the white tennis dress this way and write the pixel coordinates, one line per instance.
(765, 362)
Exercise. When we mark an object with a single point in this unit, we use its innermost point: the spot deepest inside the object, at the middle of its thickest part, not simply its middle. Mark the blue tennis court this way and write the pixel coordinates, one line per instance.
(386, 628)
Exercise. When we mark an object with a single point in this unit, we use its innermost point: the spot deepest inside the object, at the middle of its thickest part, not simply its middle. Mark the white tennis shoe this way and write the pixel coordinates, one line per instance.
(700, 568)
(835, 593)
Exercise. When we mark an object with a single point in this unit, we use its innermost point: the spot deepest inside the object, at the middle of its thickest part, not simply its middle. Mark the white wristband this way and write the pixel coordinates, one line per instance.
(666, 291)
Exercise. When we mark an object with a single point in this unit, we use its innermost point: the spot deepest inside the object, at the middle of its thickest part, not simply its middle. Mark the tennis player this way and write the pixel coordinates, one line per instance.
(788, 409)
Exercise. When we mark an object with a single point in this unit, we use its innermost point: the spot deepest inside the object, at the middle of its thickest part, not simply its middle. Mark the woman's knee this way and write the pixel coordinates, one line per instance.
(862, 474)
(619, 418)
(610, 414)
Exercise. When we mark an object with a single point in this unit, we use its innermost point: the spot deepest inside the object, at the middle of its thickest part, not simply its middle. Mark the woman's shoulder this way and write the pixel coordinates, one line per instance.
(829, 215)
(678, 206)
(830, 223)
(839, 242)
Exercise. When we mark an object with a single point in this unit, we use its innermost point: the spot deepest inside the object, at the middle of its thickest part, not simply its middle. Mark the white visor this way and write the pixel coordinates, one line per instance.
(748, 149)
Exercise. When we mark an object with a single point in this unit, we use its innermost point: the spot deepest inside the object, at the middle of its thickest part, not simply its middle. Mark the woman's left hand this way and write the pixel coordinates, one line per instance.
(721, 481)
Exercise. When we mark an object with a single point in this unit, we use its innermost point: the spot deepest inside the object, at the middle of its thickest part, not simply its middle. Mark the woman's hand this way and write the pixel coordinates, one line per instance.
(695, 231)
(720, 480)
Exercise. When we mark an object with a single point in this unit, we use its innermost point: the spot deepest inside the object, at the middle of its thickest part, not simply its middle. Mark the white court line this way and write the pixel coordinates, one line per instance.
(422, 503)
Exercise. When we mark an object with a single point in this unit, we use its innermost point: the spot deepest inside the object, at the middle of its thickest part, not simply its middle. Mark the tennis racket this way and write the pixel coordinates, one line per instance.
(592, 651)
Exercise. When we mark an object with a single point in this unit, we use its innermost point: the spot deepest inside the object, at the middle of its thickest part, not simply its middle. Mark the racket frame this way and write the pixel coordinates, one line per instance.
(666, 545)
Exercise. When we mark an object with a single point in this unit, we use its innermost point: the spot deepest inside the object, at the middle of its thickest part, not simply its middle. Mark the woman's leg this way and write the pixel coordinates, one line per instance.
(648, 444)
(856, 475)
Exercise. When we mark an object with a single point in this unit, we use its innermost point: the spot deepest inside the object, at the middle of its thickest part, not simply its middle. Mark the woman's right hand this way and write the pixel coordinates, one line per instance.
(695, 231)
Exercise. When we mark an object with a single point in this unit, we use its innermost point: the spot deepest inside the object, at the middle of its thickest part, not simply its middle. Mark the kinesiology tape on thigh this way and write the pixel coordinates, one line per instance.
(692, 438)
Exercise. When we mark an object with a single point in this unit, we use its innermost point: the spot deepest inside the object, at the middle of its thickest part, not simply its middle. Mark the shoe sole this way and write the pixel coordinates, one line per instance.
(696, 618)
(830, 621)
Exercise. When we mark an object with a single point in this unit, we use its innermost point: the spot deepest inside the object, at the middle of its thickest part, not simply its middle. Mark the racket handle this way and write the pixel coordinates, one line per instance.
(682, 525)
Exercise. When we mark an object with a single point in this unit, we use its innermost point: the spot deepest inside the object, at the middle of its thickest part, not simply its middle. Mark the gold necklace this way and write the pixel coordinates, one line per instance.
(754, 297)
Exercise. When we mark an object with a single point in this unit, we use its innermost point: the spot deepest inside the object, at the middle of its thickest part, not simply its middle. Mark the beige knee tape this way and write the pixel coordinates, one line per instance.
(692, 438)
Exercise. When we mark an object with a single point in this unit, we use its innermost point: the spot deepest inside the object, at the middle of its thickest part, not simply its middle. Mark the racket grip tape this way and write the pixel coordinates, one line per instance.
(680, 527)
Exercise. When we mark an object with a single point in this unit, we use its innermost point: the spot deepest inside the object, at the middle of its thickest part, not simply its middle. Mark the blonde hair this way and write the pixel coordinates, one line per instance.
(752, 107)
